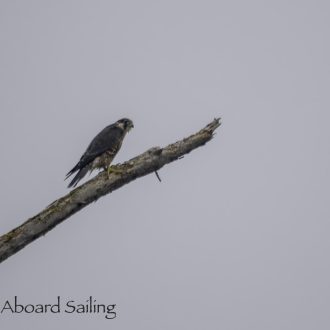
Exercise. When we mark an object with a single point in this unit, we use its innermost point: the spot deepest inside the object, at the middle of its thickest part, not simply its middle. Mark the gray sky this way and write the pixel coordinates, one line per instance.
(237, 234)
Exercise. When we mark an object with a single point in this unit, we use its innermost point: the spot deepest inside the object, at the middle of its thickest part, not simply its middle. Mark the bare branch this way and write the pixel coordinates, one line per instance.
(61, 209)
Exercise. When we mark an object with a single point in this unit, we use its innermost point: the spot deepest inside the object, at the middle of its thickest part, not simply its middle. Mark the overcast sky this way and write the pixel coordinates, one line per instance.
(236, 236)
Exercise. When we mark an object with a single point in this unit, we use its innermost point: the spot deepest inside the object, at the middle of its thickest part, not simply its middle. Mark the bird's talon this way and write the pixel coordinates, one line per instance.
(113, 169)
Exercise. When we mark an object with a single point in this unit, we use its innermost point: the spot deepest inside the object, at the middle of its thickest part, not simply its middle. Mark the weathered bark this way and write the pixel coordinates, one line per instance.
(61, 209)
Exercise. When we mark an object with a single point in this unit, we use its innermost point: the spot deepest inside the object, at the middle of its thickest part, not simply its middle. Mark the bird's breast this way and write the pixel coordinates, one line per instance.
(104, 160)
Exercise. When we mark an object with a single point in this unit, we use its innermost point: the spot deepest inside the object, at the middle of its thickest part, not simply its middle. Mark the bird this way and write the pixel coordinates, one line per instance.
(102, 150)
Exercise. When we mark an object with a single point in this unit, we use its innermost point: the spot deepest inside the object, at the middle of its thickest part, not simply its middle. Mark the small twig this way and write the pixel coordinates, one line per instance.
(158, 177)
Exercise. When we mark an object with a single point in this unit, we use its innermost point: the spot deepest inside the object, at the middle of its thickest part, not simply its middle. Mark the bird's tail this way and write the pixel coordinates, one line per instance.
(81, 173)
(75, 169)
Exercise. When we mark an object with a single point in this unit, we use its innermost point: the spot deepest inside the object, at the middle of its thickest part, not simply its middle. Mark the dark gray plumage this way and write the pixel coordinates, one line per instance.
(102, 150)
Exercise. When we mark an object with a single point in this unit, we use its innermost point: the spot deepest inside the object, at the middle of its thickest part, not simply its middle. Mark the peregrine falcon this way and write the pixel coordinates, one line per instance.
(102, 150)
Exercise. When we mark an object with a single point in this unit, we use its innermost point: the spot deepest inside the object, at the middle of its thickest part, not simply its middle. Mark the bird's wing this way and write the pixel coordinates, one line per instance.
(106, 140)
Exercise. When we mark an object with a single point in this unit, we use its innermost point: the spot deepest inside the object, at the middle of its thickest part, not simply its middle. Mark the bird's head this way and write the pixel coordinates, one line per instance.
(125, 124)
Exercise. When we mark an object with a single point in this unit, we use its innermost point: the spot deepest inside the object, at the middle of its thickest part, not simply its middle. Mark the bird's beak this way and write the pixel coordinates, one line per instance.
(130, 127)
